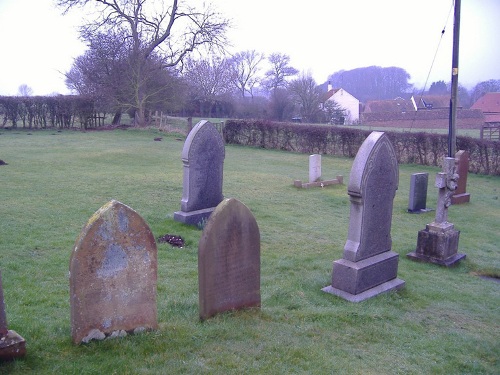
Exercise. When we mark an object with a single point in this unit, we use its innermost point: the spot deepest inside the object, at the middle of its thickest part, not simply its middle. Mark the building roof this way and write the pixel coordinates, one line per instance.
(488, 103)
(432, 101)
(398, 105)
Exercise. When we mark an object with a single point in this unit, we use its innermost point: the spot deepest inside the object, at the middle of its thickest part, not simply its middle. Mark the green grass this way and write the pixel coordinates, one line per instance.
(445, 321)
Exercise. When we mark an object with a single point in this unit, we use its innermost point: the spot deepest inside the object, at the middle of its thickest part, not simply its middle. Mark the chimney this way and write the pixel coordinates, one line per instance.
(330, 88)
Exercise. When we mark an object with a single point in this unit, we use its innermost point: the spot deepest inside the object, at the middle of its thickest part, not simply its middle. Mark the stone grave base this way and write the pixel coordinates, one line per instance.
(12, 346)
(460, 198)
(420, 211)
(388, 286)
(306, 185)
(357, 281)
(193, 217)
(438, 244)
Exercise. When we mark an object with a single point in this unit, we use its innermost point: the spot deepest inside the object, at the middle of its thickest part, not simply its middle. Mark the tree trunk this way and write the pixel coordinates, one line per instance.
(117, 118)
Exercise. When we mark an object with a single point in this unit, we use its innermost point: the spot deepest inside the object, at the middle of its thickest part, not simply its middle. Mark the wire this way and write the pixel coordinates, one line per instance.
(433, 60)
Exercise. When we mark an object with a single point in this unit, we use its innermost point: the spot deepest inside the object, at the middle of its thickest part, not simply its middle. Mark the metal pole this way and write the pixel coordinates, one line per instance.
(452, 139)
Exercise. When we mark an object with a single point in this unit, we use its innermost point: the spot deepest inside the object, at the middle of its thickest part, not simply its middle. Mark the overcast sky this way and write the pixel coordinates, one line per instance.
(38, 44)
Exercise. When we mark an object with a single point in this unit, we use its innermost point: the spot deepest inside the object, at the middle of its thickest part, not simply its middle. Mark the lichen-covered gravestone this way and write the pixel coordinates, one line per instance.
(203, 158)
(229, 260)
(368, 266)
(314, 168)
(113, 275)
(11, 344)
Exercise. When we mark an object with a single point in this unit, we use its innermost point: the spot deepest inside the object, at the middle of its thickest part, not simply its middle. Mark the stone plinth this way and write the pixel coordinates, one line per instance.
(12, 345)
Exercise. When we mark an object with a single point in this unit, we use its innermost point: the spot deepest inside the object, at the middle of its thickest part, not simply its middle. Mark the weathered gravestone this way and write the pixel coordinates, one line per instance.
(203, 158)
(314, 168)
(460, 195)
(11, 344)
(113, 271)
(438, 242)
(418, 193)
(368, 266)
(229, 260)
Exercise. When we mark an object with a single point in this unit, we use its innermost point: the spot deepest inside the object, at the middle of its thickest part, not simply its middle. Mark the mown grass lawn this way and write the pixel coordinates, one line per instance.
(445, 321)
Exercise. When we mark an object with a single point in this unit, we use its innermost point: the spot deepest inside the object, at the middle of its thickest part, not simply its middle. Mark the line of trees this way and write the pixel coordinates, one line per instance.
(145, 56)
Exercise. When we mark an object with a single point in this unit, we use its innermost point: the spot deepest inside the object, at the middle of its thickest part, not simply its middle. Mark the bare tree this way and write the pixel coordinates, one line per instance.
(276, 77)
(154, 29)
(246, 66)
(209, 82)
(24, 90)
(307, 97)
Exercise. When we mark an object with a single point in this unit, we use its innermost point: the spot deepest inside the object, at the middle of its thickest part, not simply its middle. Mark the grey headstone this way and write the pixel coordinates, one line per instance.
(314, 168)
(369, 267)
(417, 201)
(203, 158)
(229, 260)
(3, 316)
(113, 275)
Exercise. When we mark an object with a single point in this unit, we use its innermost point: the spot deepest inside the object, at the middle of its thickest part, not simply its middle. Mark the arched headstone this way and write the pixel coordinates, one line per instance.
(203, 158)
(368, 266)
(229, 260)
(113, 275)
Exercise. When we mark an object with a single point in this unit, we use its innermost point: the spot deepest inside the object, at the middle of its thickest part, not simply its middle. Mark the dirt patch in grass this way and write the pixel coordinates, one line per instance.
(172, 239)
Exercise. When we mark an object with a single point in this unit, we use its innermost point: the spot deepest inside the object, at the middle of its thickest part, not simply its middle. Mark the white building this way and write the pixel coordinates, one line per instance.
(346, 101)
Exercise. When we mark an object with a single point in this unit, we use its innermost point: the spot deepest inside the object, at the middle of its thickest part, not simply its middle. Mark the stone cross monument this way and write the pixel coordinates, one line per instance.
(438, 242)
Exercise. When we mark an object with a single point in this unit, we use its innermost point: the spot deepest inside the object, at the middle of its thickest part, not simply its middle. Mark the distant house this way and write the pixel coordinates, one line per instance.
(346, 101)
(398, 105)
(489, 104)
(418, 111)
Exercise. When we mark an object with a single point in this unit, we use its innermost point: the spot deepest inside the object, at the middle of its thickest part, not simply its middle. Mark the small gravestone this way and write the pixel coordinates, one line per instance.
(203, 158)
(229, 260)
(113, 271)
(315, 175)
(314, 168)
(417, 201)
(460, 195)
(11, 344)
(368, 266)
(438, 242)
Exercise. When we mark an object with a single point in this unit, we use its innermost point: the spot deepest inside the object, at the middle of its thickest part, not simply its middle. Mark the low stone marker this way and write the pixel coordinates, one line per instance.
(11, 344)
(460, 195)
(417, 201)
(229, 260)
(438, 242)
(368, 266)
(203, 158)
(113, 273)
(315, 175)
(314, 168)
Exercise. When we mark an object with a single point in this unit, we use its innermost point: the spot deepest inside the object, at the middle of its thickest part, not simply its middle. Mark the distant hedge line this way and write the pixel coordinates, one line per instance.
(411, 148)
(38, 112)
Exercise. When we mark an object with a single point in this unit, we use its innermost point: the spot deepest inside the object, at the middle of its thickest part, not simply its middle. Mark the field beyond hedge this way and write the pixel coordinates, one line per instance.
(445, 321)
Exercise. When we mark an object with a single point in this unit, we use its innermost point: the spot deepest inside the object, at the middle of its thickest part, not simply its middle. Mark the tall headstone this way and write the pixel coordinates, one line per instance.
(438, 242)
(417, 201)
(229, 260)
(11, 344)
(113, 275)
(314, 168)
(368, 266)
(203, 158)
(460, 195)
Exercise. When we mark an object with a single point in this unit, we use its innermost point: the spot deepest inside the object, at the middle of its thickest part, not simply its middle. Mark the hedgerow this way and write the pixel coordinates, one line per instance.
(411, 147)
